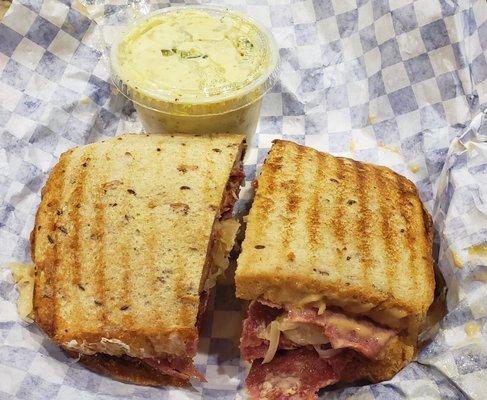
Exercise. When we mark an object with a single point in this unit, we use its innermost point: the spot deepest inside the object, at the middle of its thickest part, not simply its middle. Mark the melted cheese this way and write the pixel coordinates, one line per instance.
(225, 232)
(306, 334)
(359, 329)
(23, 275)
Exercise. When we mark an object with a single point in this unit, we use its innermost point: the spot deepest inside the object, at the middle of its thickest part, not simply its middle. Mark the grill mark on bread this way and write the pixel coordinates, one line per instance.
(99, 231)
(313, 212)
(52, 263)
(125, 257)
(363, 220)
(180, 284)
(75, 202)
(387, 233)
(403, 201)
(126, 261)
(151, 260)
(293, 201)
(273, 165)
(338, 228)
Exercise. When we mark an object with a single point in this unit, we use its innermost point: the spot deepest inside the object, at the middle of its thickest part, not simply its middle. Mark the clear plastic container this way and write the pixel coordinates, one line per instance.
(175, 91)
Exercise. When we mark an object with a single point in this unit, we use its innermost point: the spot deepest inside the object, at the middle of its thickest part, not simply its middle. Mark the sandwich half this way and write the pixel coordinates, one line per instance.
(130, 236)
(337, 263)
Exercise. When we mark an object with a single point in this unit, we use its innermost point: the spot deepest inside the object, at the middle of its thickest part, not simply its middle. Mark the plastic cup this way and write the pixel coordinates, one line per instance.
(210, 108)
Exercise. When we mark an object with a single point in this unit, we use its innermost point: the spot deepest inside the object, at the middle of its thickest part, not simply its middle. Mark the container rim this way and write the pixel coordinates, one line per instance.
(265, 81)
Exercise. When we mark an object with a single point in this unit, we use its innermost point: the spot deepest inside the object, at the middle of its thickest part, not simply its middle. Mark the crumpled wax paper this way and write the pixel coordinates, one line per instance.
(401, 83)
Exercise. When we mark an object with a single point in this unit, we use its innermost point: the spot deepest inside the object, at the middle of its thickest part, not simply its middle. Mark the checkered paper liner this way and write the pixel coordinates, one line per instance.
(395, 82)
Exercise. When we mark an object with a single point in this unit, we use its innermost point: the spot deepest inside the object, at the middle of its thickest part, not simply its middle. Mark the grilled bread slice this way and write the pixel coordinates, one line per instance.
(121, 239)
(331, 230)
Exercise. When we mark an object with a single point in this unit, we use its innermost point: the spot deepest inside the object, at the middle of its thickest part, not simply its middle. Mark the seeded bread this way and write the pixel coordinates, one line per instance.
(121, 238)
(335, 230)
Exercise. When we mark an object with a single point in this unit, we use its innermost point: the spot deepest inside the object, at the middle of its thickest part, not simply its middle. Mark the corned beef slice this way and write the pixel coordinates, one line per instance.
(342, 331)
(296, 374)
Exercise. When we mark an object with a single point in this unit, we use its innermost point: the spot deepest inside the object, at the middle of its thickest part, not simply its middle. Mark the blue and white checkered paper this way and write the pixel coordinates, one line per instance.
(396, 82)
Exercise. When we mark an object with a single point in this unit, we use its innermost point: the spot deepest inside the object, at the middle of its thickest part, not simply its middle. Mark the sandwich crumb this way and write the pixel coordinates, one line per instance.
(413, 168)
(353, 145)
(389, 147)
(457, 260)
(472, 328)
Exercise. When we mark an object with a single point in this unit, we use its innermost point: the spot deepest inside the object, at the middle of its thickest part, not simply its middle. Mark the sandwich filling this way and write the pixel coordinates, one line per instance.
(297, 351)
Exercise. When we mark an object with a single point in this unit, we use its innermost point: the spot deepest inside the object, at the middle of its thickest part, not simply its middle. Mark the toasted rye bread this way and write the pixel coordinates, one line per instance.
(121, 238)
(332, 229)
